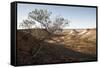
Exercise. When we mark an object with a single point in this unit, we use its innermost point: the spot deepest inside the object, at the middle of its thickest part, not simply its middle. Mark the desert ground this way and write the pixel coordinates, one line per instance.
(73, 45)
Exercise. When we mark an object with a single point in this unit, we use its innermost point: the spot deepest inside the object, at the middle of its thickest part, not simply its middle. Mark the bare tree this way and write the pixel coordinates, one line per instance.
(27, 24)
(57, 25)
(43, 16)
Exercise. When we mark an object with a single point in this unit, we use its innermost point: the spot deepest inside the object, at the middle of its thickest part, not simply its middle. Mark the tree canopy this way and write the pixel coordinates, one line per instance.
(43, 16)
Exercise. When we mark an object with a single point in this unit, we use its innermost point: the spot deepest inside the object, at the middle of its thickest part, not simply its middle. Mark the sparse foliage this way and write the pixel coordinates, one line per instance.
(57, 25)
(43, 16)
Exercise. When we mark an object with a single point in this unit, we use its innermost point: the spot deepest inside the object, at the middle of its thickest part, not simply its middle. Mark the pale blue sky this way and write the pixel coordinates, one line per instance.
(80, 17)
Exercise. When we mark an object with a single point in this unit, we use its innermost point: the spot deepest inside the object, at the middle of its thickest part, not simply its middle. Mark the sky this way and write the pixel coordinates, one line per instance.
(79, 17)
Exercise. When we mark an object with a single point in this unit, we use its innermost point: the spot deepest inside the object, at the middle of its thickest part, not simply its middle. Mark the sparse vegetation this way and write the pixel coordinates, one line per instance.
(43, 16)
(50, 43)
(56, 49)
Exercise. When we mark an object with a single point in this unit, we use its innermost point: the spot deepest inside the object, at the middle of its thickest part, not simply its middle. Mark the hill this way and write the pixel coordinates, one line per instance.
(41, 48)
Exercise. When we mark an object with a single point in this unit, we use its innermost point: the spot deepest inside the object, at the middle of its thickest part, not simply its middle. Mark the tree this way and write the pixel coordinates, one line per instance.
(57, 25)
(43, 16)
(50, 25)
(27, 24)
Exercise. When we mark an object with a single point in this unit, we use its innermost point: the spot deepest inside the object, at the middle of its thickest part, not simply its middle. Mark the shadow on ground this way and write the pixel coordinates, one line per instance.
(33, 51)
